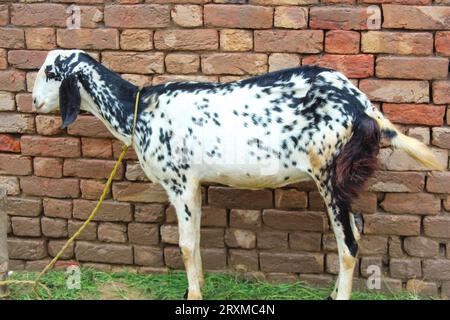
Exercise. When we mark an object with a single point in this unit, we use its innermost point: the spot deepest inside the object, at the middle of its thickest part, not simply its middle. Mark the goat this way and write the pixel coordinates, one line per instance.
(305, 123)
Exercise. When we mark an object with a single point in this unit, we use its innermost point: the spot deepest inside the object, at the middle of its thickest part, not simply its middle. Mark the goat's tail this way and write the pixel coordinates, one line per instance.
(411, 146)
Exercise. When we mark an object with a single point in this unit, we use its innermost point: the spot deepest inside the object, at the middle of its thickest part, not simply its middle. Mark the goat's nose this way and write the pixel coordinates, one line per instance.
(34, 101)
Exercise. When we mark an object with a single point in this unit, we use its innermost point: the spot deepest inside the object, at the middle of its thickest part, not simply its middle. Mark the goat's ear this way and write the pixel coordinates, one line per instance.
(69, 100)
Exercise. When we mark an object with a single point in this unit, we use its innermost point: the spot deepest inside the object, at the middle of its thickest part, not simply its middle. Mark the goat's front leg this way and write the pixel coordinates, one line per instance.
(188, 208)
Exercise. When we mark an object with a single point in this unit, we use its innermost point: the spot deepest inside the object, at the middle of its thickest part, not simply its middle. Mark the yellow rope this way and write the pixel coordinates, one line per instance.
(36, 282)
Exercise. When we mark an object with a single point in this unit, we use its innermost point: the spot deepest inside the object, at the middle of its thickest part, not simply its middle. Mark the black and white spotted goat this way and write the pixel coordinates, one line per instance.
(307, 123)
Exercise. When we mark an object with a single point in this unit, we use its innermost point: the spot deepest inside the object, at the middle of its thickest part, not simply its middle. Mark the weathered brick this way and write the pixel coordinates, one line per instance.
(48, 167)
(272, 239)
(58, 188)
(438, 269)
(48, 125)
(421, 247)
(353, 66)
(139, 192)
(143, 233)
(405, 268)
(295, 220)
(3, 59)
(291, 262)
(441, 92)
(139, 80)
(24, 103)
(392, 225)
(4, 15)
(25, 207)
(396, 90)
(425, 114)
(96, 148)
(54, 227)
(369, 245)
(239, 238)
(11, 184)
(305, 241)
(102, 252)
(89, 126)
(441, 137)
(12, 80)
(139, 40)
(236, 40)
(91, 168)
(7, 102)
(423, 68)
(57, 208)
(441, 43)
(26, 59)
(242, 16)
(341, 41)
(234, 63)
(39, 15)
(89, 233)
(112, 232)
(55, 245)
(52, 147)
(27, 249)
(195, 39)
(291, 17)
(137, 16)
(187, 15)
(278, 61)
(290, 199)
(182, 63)
(135, 62)
(15, 164)
(169, 234)
(366, 202)
(404, 43)
(135, 172)
(420, 133)
(212, 238)
(415, 17)
(296, 41)
(367, 263)
(9, 143)
(149, 213)
(26, 227)
(223, 197)
(94, 39)
(390, 181)
(401, 161)
(350, 18)
(109, 211)
(12, 38)
(148, 256)
(243, 260)
(422, 288)
(93, 189)
(438, 182)
(412, 203)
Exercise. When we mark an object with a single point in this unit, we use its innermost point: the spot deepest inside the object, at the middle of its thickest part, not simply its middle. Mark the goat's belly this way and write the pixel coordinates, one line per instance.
(252, 177)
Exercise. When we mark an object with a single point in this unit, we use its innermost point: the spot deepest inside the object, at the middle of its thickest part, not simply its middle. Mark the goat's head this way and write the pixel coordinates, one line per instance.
(57, 85)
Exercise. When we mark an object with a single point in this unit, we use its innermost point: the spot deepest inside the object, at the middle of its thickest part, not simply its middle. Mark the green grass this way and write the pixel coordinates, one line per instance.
(129, 285)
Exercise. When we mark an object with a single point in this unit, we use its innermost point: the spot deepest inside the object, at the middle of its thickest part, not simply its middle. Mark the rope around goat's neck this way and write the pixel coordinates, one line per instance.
(36, 282)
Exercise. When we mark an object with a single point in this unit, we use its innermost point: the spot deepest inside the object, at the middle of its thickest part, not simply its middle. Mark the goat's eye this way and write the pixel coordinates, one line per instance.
(51, 75)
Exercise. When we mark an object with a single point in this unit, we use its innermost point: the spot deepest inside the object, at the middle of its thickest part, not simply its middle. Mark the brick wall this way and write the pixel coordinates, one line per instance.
(397, 53)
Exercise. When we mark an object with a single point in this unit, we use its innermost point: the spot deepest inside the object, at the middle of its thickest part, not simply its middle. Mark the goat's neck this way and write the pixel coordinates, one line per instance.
(110, 98)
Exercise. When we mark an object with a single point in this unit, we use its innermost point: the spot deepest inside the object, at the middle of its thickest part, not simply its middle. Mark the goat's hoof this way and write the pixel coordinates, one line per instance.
(186, 294)
(328, 298)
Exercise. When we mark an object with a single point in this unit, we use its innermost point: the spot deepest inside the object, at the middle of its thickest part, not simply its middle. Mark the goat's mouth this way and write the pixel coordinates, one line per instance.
(38, 104)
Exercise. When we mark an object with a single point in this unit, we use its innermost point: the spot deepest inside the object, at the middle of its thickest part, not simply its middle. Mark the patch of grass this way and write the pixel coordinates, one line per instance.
(129, 285)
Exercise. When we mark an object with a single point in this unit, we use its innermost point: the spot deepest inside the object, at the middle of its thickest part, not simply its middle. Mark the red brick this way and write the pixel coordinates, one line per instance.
(442, 43)
(96, 148)
(187, 15)
(366, 202)
(16, 123)
(425, 68)
(415, 114)
(295, 220)
(390, 181)
(412, 203)
(139, 40)
(169, 234)
(422, 288)
(9, 143)
(353, 66)
(48, 125)
(195, 39)
(102, 252)
(4, 15)
(139, 192)
(39, 15)
(137, 16)
(343, 42)
(278, 61)
(58, 188)
(134, 172)
(92, 168)
(212, 238)
(48, 167)
(272, 240)
(441, 92)
(236, 40)
(290, 199)
(399, 160)
(415, 17)
(392, 225)
(182, 63)
(305, 241)
(24, 103)
(54, 228)
(112, 232)
(397, 91)
(135, 62)
(437, 226)
(291, 17)
(7, 102)
(12, 38)
(26, 59)
(291, 262)
(148, 256)
(89, 126)
(223, 197)
(369, 245)
(52, 147)
(94, 39)
(12, 80)
(40, 38)
(234, 63)
(402, 43)
(55, 245)
(3, 59)
(441, 137)
(300, 41)
(57, 208)
(438, 182)
(93, 189)
(91, 16)
(214, 217)
(239, 238)
(26, 227)
(109, 211)
(89, 233)
(25, 207)
(149, 213)
(143, 233)
(27, 249)
(242, 16)
(421, 247)
(350, 18)
(11, 184)
(243, 260)
(405, 268)
(11, 164)
(436, 269)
